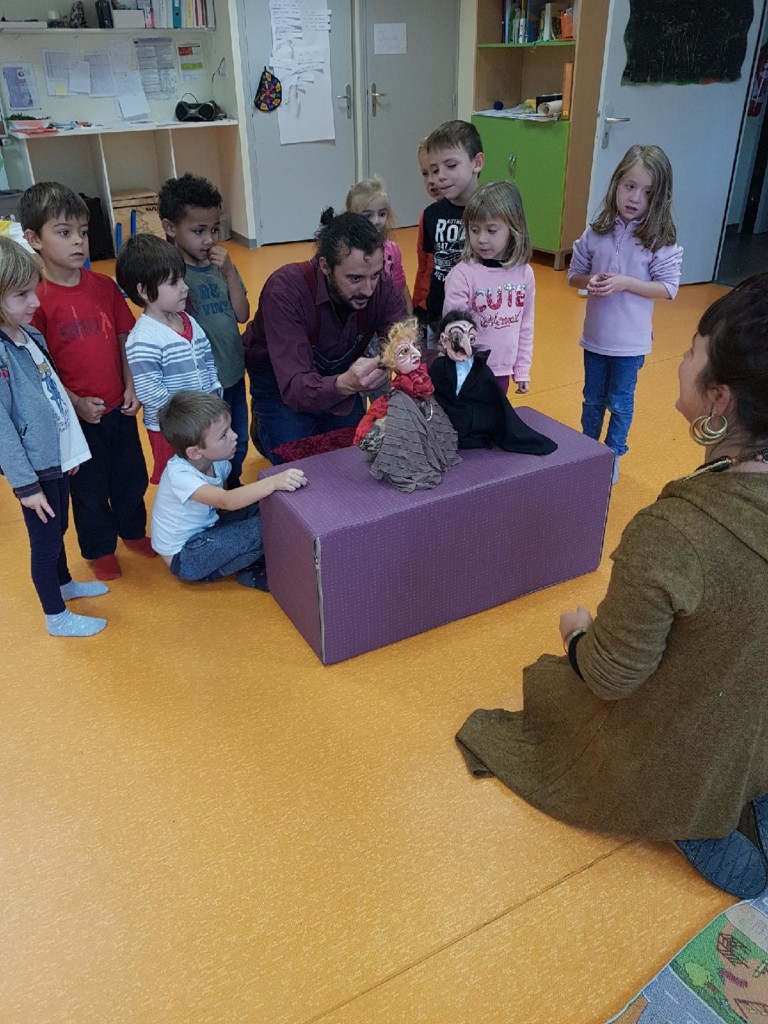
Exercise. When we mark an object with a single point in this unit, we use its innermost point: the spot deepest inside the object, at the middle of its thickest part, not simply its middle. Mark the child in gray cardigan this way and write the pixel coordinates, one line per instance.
(41, 443)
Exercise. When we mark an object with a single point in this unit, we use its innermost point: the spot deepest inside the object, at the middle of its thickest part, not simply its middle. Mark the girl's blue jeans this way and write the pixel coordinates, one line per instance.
(609, 384)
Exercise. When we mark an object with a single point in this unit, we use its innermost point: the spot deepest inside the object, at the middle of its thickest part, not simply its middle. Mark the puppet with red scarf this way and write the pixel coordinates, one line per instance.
(405, 433)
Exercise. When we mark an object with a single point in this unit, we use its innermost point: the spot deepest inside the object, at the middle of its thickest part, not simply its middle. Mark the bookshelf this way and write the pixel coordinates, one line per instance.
(115, 154)
(550, 161)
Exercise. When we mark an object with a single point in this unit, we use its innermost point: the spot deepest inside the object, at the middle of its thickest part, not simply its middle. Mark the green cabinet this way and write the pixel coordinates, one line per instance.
(533, 154)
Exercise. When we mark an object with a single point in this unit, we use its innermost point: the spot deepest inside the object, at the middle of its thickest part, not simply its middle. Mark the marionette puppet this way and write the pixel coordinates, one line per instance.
(467, 389)
(405, 433)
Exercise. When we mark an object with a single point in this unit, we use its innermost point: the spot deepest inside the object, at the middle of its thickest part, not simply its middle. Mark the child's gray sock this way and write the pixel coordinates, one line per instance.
(66, 623)
(71, 590)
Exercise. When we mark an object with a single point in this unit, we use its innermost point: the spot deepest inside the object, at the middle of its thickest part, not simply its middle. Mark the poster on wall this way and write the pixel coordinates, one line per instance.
(19, 87)
(301, 59)
(685, 44)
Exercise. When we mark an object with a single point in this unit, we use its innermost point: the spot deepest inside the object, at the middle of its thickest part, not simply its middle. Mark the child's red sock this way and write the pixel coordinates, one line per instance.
(106, 568)
(142, 546)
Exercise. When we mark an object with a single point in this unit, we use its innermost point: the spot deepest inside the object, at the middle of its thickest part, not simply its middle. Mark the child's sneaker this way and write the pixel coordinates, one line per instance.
(106, 567)
(254, 576)
(142, 546)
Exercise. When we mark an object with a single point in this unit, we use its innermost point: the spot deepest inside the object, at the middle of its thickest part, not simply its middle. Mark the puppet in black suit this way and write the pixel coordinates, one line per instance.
(480, 413)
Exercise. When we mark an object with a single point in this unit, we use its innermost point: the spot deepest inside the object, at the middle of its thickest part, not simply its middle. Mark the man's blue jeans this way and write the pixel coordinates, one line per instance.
(278, 423)
(609, 384)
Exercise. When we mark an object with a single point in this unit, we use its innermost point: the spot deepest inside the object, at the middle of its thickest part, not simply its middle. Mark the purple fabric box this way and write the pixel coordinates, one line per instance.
(356, 565)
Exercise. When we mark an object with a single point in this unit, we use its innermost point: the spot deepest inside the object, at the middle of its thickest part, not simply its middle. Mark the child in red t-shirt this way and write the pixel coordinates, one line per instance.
(85, 321)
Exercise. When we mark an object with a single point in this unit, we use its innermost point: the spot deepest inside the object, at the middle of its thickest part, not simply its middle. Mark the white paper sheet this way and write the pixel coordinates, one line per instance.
(56, 68)
(301, 58)
(120, 55)
(156, 66)
(130, 93)
(390, 37)
(80, 77)
(102, 80)
(191, 63)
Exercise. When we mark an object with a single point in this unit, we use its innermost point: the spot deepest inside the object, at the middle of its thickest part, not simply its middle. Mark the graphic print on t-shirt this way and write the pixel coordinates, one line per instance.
(500, 306)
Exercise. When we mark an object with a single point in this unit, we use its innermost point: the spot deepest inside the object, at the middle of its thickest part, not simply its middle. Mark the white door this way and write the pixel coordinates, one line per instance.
(698, 126)
(295, 182)
(409, 70)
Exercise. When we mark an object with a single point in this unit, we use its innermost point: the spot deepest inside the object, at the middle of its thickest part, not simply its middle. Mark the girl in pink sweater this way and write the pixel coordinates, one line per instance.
(495, 281)
(369, 198)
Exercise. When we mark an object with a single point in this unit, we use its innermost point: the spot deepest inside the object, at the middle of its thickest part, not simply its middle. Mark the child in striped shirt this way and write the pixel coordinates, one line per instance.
(167, 350)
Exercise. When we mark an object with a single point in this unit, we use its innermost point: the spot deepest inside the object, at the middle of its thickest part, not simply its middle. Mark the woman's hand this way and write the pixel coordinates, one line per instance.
(577, 619)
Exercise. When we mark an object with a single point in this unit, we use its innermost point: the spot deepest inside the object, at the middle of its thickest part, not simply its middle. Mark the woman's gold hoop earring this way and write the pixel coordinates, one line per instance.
(702, 431)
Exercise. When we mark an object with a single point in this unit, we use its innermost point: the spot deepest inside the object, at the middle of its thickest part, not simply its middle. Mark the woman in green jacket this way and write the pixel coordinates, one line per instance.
(665, 735)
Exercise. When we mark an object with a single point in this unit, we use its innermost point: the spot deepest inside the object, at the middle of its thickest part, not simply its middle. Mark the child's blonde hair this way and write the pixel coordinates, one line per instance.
(363, 194)
(658, 228)
(17, 269)
(499, 200)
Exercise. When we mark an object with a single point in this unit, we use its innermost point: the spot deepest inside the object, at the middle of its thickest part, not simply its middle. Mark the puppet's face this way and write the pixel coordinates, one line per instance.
(407, 356)
(458, 340)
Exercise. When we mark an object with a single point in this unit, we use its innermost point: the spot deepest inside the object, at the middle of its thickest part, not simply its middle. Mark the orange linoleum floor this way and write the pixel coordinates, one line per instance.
(201, 824)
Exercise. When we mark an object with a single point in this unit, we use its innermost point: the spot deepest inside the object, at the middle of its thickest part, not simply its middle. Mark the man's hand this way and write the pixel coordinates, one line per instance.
(365, 374)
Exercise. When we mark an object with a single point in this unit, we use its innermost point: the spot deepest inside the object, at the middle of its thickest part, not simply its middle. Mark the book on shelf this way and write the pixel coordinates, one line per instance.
(177, 13)
(534, 21)
(567, 90)
(545, 23)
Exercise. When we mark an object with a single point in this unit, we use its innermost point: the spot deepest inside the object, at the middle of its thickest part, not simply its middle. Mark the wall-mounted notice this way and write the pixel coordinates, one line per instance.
(20, 87)
(156, 66)
(191, 63)
(130, 94)
(301, 59)
(390, 37)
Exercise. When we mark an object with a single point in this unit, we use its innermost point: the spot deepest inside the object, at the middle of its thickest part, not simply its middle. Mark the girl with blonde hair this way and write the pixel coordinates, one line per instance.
(369, 198)
(495, 281)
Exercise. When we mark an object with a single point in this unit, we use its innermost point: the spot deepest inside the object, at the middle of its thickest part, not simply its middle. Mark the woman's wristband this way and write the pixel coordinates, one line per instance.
(570, 644)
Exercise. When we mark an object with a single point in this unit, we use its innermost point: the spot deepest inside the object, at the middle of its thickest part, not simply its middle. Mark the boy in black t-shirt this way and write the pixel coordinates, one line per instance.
(455, 154)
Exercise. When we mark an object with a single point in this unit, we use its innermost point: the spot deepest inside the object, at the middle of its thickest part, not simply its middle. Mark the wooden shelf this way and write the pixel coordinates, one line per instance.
(118, 128)
(551, 160)
(535, 45)
(27, 30)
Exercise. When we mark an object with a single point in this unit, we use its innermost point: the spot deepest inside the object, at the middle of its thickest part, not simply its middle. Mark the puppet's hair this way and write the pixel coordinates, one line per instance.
(404, 330)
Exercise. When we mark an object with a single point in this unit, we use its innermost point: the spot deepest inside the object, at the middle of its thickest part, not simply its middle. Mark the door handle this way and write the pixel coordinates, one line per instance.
(608, 120)
(512, 165)
(347, 95)
(375, 96)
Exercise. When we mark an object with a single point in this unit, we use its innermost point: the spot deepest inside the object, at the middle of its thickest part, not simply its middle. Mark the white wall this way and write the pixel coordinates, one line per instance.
(466, 71)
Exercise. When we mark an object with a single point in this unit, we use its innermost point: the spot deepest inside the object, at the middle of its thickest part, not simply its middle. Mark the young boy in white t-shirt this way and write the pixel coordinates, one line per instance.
(201, 530)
